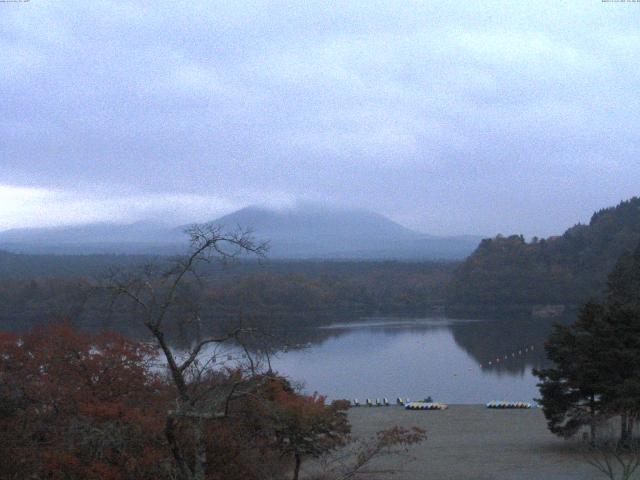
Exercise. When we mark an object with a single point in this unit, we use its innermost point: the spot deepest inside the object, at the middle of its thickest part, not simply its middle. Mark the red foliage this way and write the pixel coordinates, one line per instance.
(75, 405)
(303, 426)
(79, 406)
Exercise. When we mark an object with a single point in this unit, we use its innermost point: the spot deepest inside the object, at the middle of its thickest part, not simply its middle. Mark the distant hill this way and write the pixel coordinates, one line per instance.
(95, 238)
(567, 269)
(306, 231)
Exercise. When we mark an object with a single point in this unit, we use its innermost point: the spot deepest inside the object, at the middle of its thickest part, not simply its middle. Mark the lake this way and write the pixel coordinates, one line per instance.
(453, 361)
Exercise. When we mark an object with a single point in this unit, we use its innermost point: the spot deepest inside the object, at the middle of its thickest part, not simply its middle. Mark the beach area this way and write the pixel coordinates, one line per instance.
(472, 442)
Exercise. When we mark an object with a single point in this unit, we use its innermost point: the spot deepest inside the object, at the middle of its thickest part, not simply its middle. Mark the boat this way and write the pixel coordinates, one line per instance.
(426, 406)
(498, 404)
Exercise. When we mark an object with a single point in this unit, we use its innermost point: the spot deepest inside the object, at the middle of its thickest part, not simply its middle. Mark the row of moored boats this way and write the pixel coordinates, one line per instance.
(498, 404)
(428, 404)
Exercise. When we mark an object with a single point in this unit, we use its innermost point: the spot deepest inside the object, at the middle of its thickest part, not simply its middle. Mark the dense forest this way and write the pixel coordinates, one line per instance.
(27, 266)
(509, 272)
(38, 288)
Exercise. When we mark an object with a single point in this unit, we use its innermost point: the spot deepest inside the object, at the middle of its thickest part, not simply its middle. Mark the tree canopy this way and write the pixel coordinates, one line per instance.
(567, 269)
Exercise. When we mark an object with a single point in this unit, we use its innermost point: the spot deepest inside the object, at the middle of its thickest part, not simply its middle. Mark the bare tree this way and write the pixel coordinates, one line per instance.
(614, 461)
(356, 459)
(203, 391)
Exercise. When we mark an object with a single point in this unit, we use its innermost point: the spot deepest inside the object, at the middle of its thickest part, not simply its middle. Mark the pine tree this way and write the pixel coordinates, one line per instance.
(570, 390)
(596, 372)
(622, 352)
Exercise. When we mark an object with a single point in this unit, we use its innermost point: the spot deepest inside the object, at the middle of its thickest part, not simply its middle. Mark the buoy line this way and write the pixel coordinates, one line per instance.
(506, 357)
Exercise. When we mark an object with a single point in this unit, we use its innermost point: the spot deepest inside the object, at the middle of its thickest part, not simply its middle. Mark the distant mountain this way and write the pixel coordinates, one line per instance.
(90, 233)
(317, 221)
(563, 270)
(311, 231)
(306, 231)
(139, 237)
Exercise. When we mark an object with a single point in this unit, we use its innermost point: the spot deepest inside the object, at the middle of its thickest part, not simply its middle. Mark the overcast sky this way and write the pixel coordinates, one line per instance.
(448, 116)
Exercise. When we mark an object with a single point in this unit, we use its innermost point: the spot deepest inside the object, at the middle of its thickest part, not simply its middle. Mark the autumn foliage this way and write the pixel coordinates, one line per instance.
(74, 405)
(80, 406)
(302, 426)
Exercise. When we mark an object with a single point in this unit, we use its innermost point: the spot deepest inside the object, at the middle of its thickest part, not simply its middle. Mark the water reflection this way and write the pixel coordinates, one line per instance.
(443, 358)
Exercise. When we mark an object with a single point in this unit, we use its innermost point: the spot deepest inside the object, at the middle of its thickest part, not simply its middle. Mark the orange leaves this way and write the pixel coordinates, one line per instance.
(76, 406)
(304, 425)
(87, 406)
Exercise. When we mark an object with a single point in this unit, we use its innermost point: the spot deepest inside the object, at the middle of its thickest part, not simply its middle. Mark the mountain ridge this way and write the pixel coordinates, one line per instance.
(306, 231)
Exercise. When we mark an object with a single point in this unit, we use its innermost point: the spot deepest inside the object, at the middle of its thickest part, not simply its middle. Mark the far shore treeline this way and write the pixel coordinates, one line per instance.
(504, 275)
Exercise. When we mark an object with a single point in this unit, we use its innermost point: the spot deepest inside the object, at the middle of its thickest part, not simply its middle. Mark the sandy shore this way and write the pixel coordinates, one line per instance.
(473, 442)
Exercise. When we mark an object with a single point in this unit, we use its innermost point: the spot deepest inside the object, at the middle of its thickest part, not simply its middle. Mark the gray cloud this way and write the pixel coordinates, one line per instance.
(450, 117)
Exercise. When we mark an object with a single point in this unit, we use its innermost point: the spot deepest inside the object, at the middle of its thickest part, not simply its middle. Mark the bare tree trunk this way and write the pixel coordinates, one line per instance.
(593, 422)
(200, 450)
(624, 429)
(296, 470)
(184, 472)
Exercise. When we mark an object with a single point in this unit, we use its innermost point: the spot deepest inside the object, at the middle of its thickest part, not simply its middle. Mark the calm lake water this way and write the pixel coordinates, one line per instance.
(452, 361)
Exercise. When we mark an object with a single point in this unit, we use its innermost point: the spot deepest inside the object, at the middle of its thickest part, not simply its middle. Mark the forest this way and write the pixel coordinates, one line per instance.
(281, 292)
(510, 273)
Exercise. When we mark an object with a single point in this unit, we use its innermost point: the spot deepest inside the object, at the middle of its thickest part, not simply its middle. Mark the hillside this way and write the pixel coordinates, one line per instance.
(568, 269)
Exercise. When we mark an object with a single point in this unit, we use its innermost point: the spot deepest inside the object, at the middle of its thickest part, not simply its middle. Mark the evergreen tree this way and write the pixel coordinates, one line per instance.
(622, 394)
(623, 292)
(570, 389)
(596, 372)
